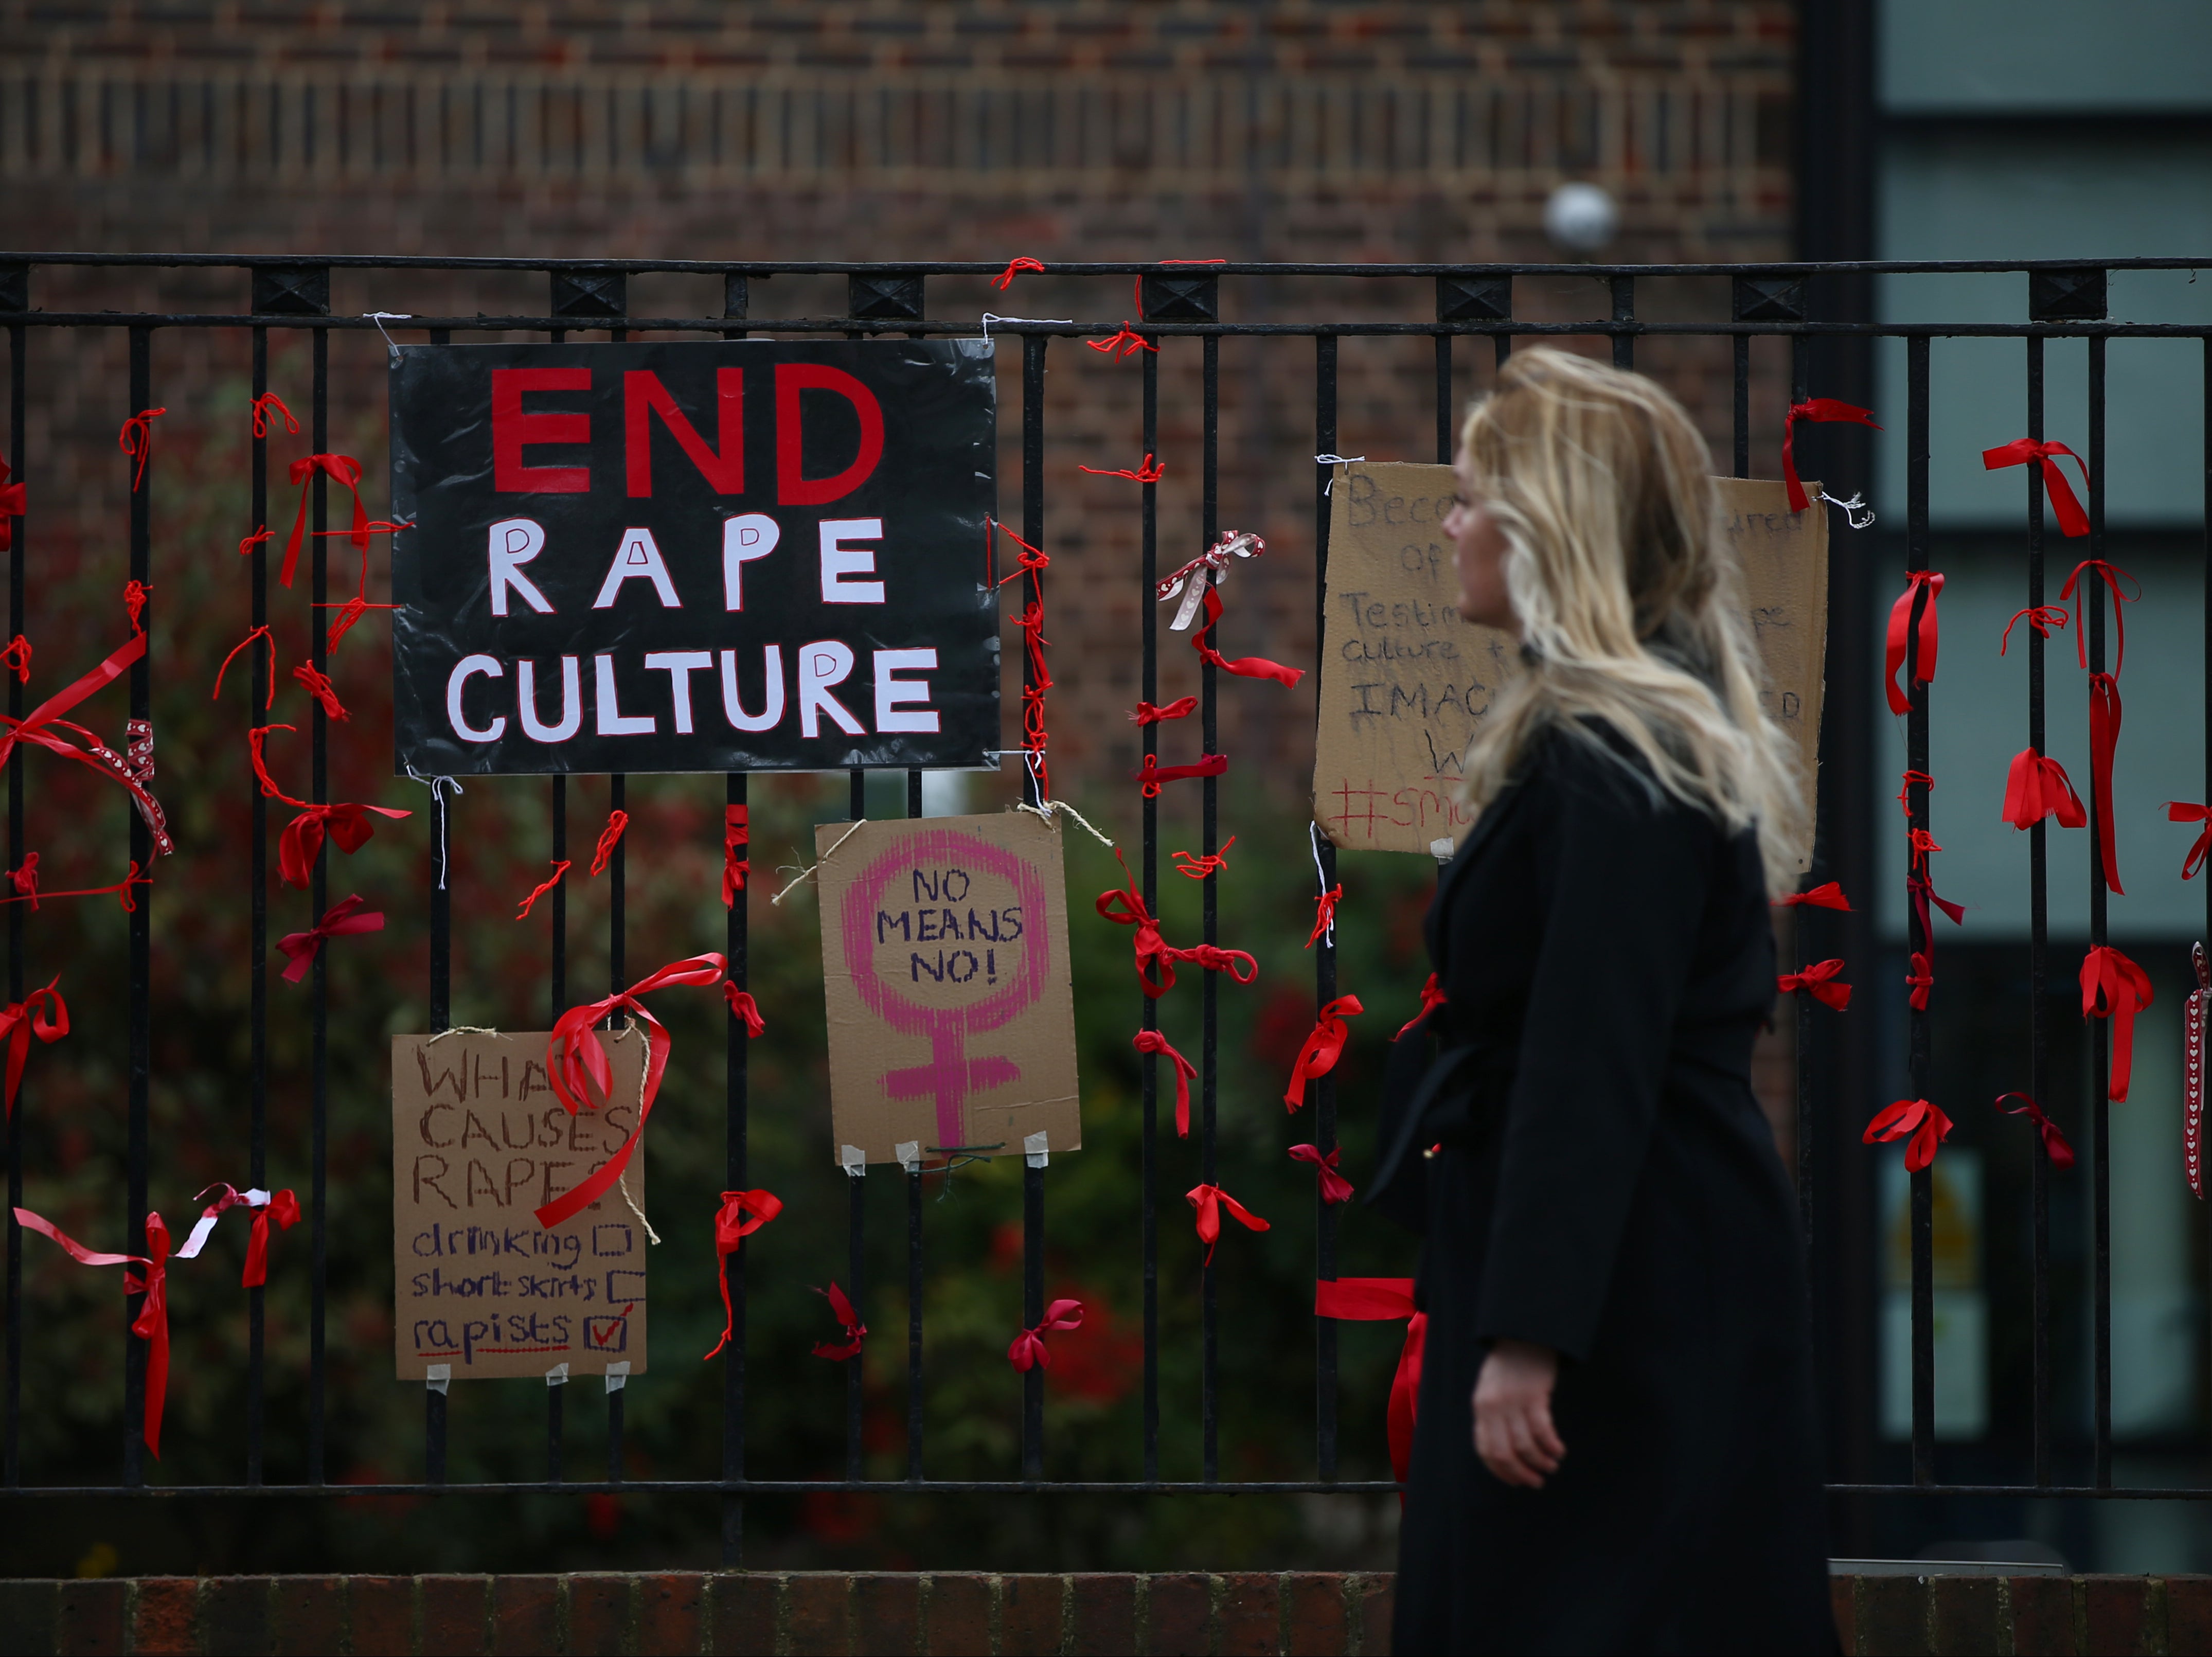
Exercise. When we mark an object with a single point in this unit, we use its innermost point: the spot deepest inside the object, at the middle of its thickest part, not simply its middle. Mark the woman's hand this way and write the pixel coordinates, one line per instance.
(1513, 1431)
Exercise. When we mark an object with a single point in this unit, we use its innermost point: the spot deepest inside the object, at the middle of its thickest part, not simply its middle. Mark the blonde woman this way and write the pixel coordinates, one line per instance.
(1617, 1448)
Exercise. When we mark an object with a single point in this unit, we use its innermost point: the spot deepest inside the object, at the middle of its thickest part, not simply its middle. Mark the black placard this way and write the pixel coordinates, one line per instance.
(751, 555)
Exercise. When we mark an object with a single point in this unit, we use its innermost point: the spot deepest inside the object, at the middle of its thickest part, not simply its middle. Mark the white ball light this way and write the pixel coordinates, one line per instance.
(1581, 218)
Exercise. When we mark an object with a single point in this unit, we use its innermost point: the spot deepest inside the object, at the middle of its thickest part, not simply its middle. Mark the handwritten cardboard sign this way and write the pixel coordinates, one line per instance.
(1405, 681)
(945, 965)
(479, 1140)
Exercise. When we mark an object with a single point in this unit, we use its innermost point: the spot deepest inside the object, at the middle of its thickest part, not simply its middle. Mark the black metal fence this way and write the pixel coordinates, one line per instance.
(1474, 311)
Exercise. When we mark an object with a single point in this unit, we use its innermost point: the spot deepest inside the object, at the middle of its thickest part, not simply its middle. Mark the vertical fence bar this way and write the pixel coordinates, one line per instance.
(1148, 1010)
(618, 889)
(1916, 741)
(17, 383)
(1324, 851)
(2038, 945)
(1624, 310)
(2099, 1029)
(1210, 1003)
(1032, 590)
(1804, 930)
(318, 901)
(735, 1172)
(257, 935)
(1742, 427)
(1444, 344)
(856, 1211)
(141, 969)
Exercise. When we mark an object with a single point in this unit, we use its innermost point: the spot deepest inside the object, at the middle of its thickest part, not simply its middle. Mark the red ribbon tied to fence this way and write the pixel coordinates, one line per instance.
(2036, 787)
(34, 727)
(855, 1331)
(1432, 997)
(610, 837)
(152, 1323)
(2114, 987)
(282, 1206)
(2111, 575)
(560, 868)
(1335, 1188)
(1325, 913)
(262, 407)
(573, 1055)
(317, 683)
(1181, 708)
(1815, 411)
(16, 658)
(1919, 979)
(1928, 1125)
(1819, 982)
(345, 471)
(1378, 1299)
(137, 440)
(2054, 1142)
(1912, 619)
(744, 1007)
(1125, 906)
(2103, 738)
(2041, 617)
(2026, 450)
(22, 1020)
(2181, 811)
(1146, 472)
(1210, 1200)
(742, 1213)
(344, 919)
(1324, 1045)
(1198, 868)
(1153, 1041)
(737, 836)
(1123, 342)
(1826, 895)
(1244, 667)
(1153, 774)
(346, 823)
(1014, 267)
(13, 504)
(1028, 1350)
(260, 636)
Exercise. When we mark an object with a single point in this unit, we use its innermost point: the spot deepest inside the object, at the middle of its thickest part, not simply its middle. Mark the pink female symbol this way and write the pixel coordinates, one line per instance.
(951, 1075)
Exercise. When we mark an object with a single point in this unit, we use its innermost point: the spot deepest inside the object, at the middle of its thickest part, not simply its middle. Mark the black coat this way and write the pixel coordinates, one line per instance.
(1608, 1187)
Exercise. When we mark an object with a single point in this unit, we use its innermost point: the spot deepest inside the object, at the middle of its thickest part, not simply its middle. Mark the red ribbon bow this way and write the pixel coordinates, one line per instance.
(137, 438)
(1155, 956)
(24, 880)
(1432, 997)
(1181, 708)
(541, 888)
(1928, 1125)
(1920, 980)
(342, 920)
(346, 471)
(855, 1331)
(13, 504)
(1209, 1200)
(742, 1213)
(1146, 472)
(33, 728)
(742, 1005)
(1028, 1347)
(2114, 987)
(1154, 773)
(1005, 279)
(282, 1205)
(2103, 738)
(1123, 342)
(2041, 617)
(1198, 868)
(1377, 1300)
(262, 406)
(1153, 1041)
(1335, 1188)
(610, 837)
(1922, 894)
(2026, 450)
(2054, 1142)
(737, 836)
(152, 1323)
(1325, 913)
(2036, 787)
(1828, 895)
(2178, 811)
(2111, 575)
(20, 1020)
(1912, 617)
(346, 823)
(1816, 411)
(1244, 667)
(1818, 981)
(1324, 1045)
(572, 1054)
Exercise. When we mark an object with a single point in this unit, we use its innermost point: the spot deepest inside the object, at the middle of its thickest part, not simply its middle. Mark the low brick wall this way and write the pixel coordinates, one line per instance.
(831, 1611)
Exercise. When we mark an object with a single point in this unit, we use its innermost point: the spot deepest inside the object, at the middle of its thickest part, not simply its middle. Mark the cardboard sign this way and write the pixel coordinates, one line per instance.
(945, 964)
(747, 554)
(479, 1140)
(1404, 680)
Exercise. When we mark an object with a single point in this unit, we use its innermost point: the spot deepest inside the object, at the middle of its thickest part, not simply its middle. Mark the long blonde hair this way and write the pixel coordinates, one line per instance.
(1628, 593)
